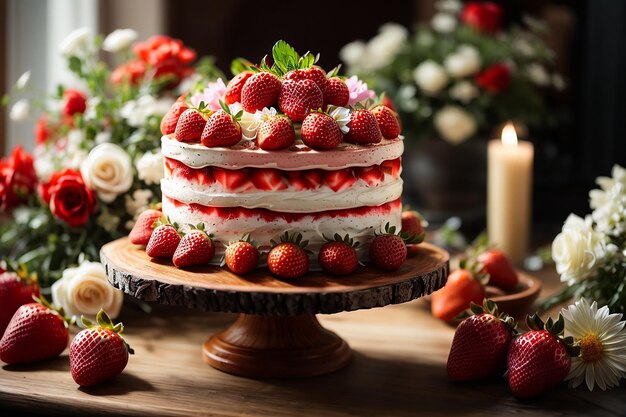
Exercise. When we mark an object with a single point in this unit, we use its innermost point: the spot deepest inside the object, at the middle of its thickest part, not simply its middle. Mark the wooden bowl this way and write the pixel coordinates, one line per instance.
(520, 301)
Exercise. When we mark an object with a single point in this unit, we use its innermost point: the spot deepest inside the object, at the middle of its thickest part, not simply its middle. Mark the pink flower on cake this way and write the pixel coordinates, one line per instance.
(358, 90)
(211, 95)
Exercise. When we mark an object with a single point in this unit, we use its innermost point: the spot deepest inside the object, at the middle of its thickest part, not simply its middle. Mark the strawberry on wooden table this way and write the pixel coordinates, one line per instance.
(464, 286)
(260, 90)
(388, 250)
(319, 130)
(363, 128)
(387, 121)
(222, 128)
(195, 248)
(36, 332)
(190, 125)
(144, 226)
(275, 133)
(540, 359)
(170, 120)
(288, 258)
(164, 241)
(338, 256)
(98, 353)
(234, 87)
(17, 287)
(480, 345)
(501, 272)
(241, 257)
(298, 97)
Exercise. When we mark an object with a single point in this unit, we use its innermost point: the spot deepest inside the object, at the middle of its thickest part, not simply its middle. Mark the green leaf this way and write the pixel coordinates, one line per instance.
(306, 61)
(75, 65)
(333, 72)
(239, 65)
(5, 100)
(285, 57)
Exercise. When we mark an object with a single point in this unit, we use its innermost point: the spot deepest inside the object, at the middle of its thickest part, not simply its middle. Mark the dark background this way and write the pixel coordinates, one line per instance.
(588, 36)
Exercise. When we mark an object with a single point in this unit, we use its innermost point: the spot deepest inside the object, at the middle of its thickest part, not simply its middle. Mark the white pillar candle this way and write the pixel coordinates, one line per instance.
(509, 196)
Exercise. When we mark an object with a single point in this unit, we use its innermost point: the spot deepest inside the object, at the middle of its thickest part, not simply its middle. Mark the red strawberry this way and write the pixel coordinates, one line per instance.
(268, 179)
(222, 129)
(412, 222)
(288, 259)
(195, 248)
(232, 179)
(339, 180)
(387, 121)
(16, 289)
(392, 167)
(315, 74)
(339, 256)
(320, 131)
(170, 120)
(234, 87)
(98, 353)
(163, 242)
(144, 226)
(310, 179)
(297, 98)
(463, 287)
(190, 126)
(501, 272)
(388, 250)
(259, 91)
(336, 93)
(373, 175)
(241, 257)
(275, 133)
(480, 344)
(363, 127)
(539, 360)
(35, 333)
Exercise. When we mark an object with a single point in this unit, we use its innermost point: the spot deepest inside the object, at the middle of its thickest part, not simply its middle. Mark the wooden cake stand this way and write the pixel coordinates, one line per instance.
(276, 333)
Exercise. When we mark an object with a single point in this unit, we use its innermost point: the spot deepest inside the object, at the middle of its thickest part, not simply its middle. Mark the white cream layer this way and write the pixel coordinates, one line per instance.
(297, 157)
(288, 200)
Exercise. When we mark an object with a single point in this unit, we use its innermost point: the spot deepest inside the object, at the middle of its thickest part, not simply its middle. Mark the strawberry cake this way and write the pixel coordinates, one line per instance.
(282, 147)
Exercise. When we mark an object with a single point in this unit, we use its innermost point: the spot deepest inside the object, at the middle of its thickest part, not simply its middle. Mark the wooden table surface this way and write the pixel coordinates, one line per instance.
(398, 369)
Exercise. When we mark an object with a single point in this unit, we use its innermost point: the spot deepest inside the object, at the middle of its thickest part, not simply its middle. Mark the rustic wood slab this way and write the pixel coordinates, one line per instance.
(212, 288)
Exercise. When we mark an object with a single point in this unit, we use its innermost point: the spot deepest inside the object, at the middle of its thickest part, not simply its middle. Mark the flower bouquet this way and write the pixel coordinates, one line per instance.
(590, 252)
(96, 163)
(461, 75)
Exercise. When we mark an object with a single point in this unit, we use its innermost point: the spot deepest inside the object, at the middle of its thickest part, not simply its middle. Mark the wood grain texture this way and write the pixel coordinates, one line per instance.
(212, 288)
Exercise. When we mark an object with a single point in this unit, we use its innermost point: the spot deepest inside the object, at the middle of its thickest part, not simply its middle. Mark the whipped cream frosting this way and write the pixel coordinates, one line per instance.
(297, 157)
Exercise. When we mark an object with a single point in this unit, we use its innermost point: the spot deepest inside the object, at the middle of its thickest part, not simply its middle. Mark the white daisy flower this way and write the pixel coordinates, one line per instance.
(602, 340)
(342, 116)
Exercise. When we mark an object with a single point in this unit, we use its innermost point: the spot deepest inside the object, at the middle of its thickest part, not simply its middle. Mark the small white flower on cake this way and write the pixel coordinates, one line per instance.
(108, 171)
(150, 167)
(22, 82)
(342, 116)
(465, 61)
(85, 290)
(602, 340)
(75, 42)
(454, 124)
(265, 114)
(444, 23)
(20, 110)
(119, 40)
(430, 77)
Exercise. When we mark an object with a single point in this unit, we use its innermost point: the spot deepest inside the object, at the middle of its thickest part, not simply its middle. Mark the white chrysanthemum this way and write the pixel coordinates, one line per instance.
(150, 167)
(20, 110)
(22, 82)
(602, 340)
(75, 42)
(119, 40)
(609, 203)
(342, 116)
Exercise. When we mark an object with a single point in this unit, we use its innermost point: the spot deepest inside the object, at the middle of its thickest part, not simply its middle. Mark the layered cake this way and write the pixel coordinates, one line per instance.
(283, 148)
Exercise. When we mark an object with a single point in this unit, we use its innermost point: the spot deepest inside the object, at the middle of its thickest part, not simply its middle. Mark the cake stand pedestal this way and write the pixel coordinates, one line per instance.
(276, 333)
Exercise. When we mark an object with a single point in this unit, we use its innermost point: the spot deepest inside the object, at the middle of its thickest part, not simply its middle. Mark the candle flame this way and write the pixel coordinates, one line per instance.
(509, 136)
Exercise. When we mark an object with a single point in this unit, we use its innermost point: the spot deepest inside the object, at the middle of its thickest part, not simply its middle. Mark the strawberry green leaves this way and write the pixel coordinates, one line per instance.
(285, 59)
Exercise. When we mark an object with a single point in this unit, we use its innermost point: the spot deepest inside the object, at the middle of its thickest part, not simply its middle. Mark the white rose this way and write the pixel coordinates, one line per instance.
(430, 77)
(383, 47)
(464, 91)
(538, 74)
(119, 40)
(20, 110)
(108, 170)
(150, 167)
(454, 124)
(75, 42)
(352, 53)
(465, 61)
(85, 290)
(444, 23)
(577, 250)
(136, 112)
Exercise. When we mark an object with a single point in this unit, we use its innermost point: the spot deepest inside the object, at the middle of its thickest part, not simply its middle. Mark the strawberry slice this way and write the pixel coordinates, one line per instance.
(339, 180)
(392, 167)
(373, 176)
(268, 179)
(232, 179)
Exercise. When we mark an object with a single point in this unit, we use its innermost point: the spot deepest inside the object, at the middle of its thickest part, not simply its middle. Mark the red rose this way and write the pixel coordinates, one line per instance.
(69, 198)
(484, 17)
(75, 102)
(494, 79)
(167, 56)
(17, 178)
(131, 72)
